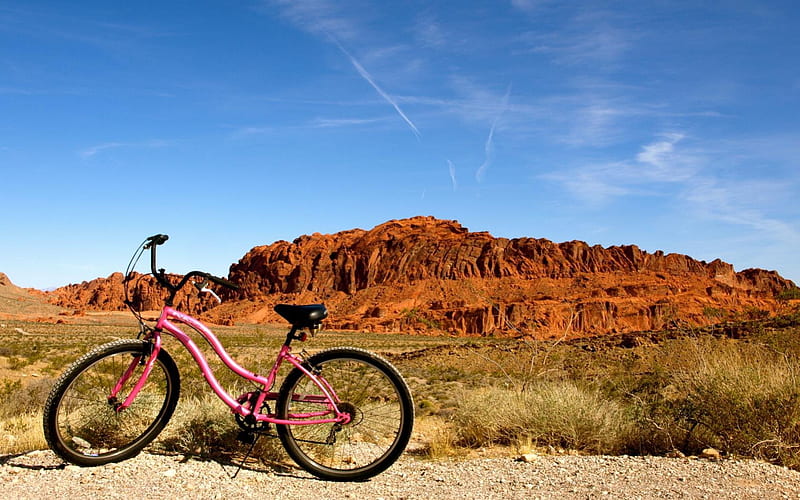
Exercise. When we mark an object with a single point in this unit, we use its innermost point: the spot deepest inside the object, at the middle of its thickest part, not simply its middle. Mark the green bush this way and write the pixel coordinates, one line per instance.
(789, 294)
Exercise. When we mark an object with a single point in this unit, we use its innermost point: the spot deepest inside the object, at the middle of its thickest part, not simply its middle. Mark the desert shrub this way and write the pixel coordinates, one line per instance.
(427, 407)
(205, 427)
(17, 398)
(437, 438)
(8, 390)
(715, 313)
(753, 313)
(740, 398)
(792, 293)
(554, 413)
(748, 401)
(21, 433)
(416, 316)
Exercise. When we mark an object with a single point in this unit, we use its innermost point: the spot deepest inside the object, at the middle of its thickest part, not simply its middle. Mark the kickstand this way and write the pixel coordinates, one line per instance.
(247, 455)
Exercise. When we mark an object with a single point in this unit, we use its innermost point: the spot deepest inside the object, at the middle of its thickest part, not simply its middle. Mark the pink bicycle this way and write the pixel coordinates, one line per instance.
(342, 414)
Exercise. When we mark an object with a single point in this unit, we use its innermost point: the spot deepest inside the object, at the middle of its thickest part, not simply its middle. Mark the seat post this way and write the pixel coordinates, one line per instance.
(290, 336)
(293, 335)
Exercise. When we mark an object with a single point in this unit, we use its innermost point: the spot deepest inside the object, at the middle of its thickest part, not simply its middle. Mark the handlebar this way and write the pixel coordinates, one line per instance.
(221, 281)
(155, 240)
(158, 239)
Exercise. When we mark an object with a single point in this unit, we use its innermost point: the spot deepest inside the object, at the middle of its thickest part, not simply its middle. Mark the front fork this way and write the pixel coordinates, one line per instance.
(148, 359)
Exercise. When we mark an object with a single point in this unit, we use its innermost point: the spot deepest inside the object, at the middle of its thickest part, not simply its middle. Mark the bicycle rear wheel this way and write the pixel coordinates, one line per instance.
(81, 423)
(378, 400)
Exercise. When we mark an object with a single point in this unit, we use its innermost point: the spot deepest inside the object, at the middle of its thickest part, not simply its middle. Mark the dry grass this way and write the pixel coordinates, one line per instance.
(438, 438)
(559, 414)
(682, 391)
(741, 398)
(204, 427)
(21, 433)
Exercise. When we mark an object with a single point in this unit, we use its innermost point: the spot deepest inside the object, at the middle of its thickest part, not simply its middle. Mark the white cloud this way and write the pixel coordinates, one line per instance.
(94, 150)
(590, 37)
(429, 33)
(695, 179)
(661, 162)
(592, 122)
(319, 17)
(529, 5)
(595, 184)
(249, 131)
(657, 153)
(736, 202)
(657, 163)
(91, 151)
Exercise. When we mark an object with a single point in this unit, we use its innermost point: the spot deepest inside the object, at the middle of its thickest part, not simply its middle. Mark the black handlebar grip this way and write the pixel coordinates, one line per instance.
(222, 282)
(157, 239)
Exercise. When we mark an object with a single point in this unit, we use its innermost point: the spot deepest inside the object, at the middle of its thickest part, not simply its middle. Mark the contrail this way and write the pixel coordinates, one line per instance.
(488, 148)
(366, 76)
(453, 175)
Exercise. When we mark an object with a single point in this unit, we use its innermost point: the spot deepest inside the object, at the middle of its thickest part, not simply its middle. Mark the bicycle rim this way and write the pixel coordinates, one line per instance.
(82, 425)
(375, 396)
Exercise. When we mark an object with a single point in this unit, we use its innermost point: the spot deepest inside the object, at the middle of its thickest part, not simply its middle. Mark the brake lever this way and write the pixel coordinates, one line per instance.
(203, 287)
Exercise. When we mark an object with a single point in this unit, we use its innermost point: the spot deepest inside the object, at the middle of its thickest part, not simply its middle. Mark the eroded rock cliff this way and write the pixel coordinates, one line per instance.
(424, 275)
(428, 275)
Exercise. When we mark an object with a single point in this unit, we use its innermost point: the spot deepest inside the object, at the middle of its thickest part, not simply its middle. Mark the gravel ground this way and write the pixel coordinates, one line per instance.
(41, 474)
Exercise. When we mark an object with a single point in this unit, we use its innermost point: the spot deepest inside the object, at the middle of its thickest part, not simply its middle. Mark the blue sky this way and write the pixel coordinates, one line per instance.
(671, 125)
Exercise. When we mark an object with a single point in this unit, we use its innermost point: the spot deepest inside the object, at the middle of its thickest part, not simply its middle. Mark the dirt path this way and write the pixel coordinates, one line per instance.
(41, 475)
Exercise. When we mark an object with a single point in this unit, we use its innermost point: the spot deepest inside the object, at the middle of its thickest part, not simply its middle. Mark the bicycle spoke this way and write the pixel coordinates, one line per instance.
(371, 392)
(84, 427)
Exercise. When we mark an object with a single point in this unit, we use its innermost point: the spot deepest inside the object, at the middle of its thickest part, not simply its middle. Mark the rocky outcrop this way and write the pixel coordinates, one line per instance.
(108, 294)
(425, 275)
(422, 248)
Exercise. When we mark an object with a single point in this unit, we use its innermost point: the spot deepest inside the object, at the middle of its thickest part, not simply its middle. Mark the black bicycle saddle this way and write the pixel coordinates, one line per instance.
(305, 316)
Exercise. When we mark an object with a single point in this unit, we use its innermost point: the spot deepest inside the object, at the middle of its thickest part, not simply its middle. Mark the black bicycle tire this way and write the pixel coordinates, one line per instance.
(384, 461)
(81, 365)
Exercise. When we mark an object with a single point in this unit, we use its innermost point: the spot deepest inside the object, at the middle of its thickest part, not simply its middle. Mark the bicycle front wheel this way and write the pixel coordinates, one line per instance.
(81, 422)
(367, 387)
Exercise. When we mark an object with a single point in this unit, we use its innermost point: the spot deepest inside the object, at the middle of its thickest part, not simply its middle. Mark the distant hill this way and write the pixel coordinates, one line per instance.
(16, 302)
(425, 275)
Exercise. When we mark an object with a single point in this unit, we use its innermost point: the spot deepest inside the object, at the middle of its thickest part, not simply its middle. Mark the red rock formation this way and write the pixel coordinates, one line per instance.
(423, 275)
(108, 294)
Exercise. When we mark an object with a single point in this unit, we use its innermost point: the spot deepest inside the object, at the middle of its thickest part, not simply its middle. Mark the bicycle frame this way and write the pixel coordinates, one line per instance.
(245, 405)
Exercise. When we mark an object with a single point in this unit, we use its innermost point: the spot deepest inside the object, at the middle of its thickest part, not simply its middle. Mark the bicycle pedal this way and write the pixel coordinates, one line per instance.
(246, 437)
